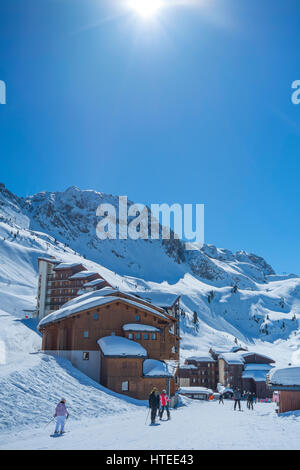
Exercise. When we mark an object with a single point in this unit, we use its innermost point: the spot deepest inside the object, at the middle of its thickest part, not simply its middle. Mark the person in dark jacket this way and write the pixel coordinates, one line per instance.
(221, 398)
(237, 398)
(154, 402)
(250, 401)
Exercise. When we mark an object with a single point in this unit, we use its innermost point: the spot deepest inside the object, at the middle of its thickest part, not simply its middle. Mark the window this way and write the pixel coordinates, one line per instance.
(125, 386)
(153, 336)
(113, 333)
(138, 336)
(86, 334)
(137, 318)
(85, 356)
(146, 336)
(130, 335)
(95, 316)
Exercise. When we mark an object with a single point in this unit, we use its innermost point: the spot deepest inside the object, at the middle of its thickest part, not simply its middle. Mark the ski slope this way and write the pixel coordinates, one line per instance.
(198, 425)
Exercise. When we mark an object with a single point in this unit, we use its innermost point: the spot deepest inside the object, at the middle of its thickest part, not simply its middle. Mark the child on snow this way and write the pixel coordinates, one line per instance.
(61, 414)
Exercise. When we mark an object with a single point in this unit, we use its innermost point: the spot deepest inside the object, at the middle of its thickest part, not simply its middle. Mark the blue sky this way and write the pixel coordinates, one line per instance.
(192, 106)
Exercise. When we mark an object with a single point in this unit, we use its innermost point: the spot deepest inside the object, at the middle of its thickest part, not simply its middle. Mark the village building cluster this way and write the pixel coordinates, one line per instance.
(226, 370)
(130, 341)
(127, 342)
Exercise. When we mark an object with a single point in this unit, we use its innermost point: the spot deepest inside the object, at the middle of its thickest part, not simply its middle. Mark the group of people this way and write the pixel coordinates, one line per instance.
(158, 404)
(248, 396)
(237, 396)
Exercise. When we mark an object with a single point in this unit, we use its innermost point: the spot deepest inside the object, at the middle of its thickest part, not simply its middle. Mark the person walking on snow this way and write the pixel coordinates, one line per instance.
(250, 401)
(237, 398)
(154, 403)
(61, 414)
(221, 398)
(164, 401)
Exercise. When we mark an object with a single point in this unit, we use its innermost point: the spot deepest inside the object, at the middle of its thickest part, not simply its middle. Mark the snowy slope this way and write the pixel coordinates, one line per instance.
(200, 425)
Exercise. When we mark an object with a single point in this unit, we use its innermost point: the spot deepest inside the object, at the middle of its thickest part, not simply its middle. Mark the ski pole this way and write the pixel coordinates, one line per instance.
(147, 416)
(49, 422)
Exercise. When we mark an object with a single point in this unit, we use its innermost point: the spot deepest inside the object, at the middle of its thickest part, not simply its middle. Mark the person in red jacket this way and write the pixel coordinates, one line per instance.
(164, 402)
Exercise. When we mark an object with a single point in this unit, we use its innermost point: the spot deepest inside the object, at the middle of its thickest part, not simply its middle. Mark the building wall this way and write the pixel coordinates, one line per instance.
(116, 370)
(289, 401)
(68, 334)
(205, 375)
(90, 367)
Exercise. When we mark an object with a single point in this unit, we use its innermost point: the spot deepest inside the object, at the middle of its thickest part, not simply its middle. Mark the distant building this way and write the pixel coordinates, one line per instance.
(117, 339)
(246, 371)
(227, 370)
(197, 393)
(60, 282)
(199, 371)
(287, 383)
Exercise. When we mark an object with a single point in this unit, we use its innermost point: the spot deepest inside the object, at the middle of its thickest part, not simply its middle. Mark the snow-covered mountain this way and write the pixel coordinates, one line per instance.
(238, 293)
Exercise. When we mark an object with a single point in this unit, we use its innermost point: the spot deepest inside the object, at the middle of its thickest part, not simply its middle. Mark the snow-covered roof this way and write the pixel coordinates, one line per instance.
(201, 358)
(139, 327)
(223, 390)
(88, 301)
(155, 368)
(246, 354)
(161, 299)
(49, 260)
(113, 291)
(256, 375)
(289, 376)
(120, 346)
(266, 367)
(187, 366)
(93, 283)
(66, 266)
(83, 274)
(195, 390)
(232, 358)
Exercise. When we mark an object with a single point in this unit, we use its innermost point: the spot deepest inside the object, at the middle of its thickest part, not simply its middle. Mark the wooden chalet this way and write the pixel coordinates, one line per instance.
(87, 327)
(286, 382)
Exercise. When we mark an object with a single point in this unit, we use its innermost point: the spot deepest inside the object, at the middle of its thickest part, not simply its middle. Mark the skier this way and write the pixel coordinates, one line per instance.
(250, 401)
(154, 403)
(164, 401)
(237, 398)
(221, 398)
(61, 414)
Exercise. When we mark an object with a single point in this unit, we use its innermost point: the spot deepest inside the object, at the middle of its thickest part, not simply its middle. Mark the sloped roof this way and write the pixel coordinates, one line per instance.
(192, 390)
(88, 301)
(155, 368)
(289, 376)
(161, 299)
(139, 327)
(201, 358)
(118, 346)
(82, 274)
(232, 358)
(67, 266)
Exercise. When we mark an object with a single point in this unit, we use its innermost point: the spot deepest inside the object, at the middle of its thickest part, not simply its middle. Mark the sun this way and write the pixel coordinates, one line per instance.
(145, 8)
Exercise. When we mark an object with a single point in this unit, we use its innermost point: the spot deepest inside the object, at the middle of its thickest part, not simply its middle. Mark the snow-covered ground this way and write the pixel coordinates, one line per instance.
(199, 425)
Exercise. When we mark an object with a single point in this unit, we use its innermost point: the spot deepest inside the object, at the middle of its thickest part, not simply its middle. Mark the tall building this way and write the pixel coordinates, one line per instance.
(60, 282)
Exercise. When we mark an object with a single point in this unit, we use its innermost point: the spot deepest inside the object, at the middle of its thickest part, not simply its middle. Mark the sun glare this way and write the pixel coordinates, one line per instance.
(145, 8)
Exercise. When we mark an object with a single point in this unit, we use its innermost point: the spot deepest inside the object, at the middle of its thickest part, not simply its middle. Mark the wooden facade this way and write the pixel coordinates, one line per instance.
(78, 333)
(199, 372)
